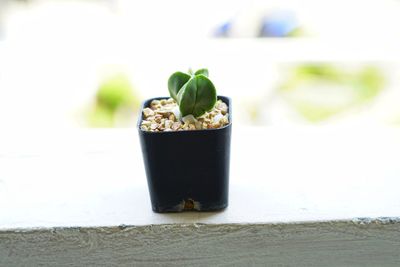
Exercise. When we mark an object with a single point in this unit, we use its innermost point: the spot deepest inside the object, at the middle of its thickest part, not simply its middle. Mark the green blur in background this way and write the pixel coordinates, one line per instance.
(320, 91)
(116, 103)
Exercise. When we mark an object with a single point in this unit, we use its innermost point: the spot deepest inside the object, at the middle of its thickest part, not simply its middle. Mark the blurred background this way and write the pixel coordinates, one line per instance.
(89, 63)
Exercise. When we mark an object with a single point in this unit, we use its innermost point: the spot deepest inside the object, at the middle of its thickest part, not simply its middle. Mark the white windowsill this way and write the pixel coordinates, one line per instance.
(96, 178)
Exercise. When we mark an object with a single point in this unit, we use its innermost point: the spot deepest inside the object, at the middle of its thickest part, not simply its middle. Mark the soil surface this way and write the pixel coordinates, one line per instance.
(163, 115)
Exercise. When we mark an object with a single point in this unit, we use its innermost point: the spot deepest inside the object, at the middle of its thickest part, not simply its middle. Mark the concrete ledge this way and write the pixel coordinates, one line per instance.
(336, 243)
(298, 197)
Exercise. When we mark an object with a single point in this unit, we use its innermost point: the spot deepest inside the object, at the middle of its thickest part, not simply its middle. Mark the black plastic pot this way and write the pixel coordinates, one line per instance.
(187, 170)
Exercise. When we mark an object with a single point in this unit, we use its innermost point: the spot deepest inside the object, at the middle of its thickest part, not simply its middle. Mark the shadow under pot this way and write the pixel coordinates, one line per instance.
(187, 170)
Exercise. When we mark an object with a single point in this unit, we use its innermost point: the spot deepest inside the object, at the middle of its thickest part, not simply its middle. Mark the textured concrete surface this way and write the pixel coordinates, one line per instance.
(337, 243)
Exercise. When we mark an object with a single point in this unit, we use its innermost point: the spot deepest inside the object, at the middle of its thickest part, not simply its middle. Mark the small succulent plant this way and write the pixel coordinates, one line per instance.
(193, 91)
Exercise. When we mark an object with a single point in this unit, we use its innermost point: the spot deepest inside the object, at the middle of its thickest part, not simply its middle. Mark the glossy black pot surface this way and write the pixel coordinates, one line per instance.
(187, 170)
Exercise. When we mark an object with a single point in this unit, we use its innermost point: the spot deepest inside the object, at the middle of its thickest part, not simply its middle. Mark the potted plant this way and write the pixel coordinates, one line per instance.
(185, 141)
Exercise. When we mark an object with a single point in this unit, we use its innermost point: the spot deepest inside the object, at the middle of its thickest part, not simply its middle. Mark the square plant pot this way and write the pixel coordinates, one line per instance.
(187, 170)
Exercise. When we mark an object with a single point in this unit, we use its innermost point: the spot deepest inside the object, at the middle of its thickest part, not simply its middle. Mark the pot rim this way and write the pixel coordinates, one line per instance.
(140, 118)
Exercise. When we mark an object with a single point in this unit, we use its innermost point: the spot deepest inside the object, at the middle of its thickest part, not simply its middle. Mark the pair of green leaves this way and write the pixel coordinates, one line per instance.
(194, 92)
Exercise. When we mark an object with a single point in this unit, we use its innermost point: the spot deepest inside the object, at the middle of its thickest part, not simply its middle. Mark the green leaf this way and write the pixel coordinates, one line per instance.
(176, 82)
(187, 97)
(197, 96)
(202, 71)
